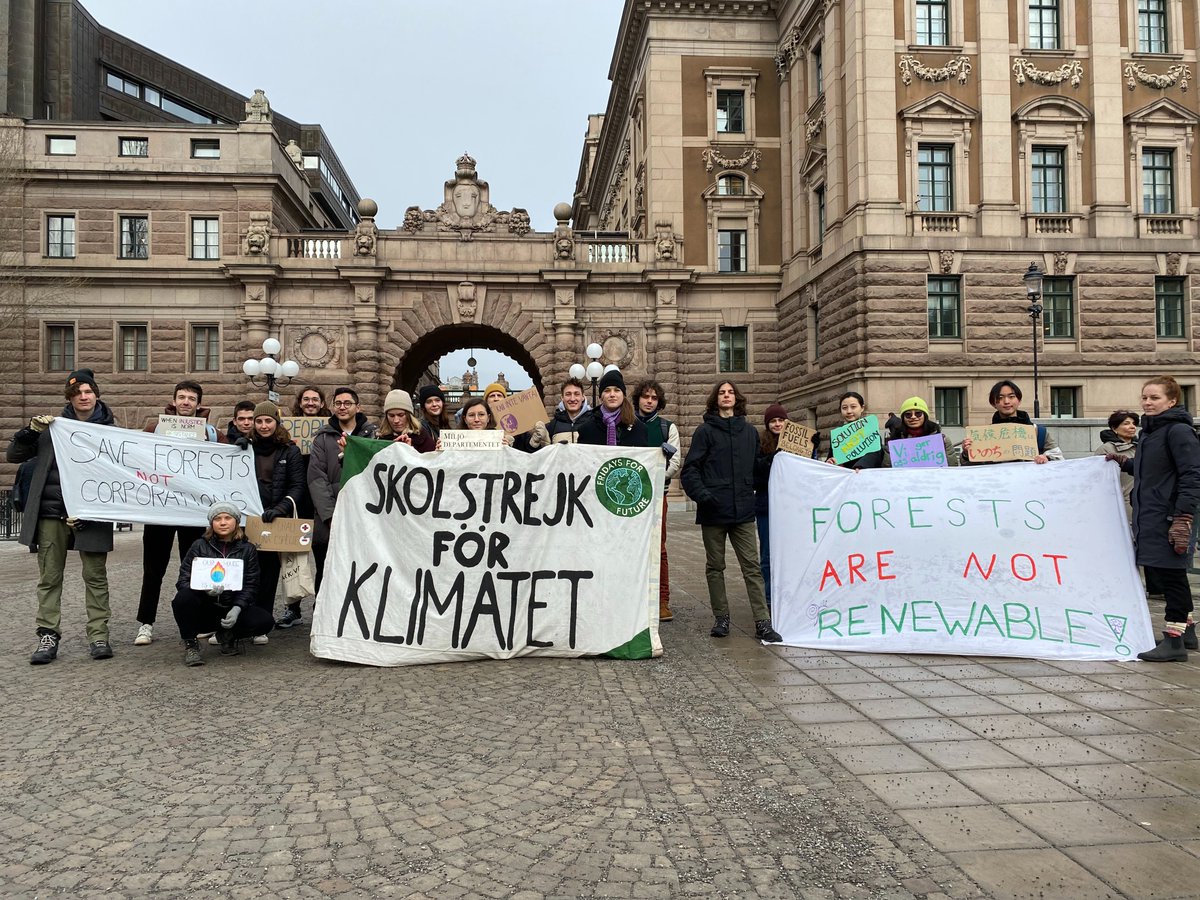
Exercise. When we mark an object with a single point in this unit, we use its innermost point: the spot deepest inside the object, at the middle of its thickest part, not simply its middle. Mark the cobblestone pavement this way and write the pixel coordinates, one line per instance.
(723, 769)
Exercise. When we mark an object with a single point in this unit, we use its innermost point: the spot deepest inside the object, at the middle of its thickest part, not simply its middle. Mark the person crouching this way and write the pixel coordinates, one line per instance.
(233, 615)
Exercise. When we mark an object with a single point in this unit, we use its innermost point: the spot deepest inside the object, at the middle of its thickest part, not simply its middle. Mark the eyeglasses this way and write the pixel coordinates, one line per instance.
(343, 402)
(912, 414)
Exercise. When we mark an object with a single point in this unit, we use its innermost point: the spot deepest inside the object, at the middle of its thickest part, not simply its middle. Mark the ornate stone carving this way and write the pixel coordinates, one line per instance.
(1173, 261)
(620, 346)
(258, 109)
(258, 235)
(466, 301)
(946, 261)
(713, 157)
(815, 122)
(315, 348)
(664, 242)
(1179, 74)
(959, 67)
(614, 191)
(364, 237)
(1072, 69)
(293, 151)
(788, 51)
(1061, 258)
(465, 208)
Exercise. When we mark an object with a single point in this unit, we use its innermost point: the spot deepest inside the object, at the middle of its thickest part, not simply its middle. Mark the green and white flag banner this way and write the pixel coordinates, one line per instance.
(1000, 560)
(453, 556)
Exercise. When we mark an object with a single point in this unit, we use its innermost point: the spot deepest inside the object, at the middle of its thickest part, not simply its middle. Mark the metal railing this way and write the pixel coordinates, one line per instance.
(10, 519)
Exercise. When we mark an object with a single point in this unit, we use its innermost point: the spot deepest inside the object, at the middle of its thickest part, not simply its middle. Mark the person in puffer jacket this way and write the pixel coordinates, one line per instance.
(563, 427)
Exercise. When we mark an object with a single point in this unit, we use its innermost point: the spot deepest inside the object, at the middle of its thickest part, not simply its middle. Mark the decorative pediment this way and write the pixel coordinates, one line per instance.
(939, 106)
(1163, 112)
(813, 162)
(1053, 109)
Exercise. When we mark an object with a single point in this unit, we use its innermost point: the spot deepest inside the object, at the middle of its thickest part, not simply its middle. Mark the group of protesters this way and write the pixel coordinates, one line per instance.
(726, 472)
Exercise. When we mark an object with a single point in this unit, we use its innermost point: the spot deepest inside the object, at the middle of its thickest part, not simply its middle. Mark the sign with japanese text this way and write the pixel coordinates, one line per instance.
(1002, 443)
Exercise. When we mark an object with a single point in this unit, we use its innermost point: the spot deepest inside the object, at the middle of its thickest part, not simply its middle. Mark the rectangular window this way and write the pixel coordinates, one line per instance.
(153, 97)
(818, 70)
(1152, 26)
(819, 202)
(1043, 25)
(1158, 181)
(944, 307)
(135, 348)
(933, 23)
(60, 237)
(1169, 307)
(134, 146)
(733, 353)
(949, 405)
(206, 149)
(206, 238)
(731, 250)
(1189, 396)
(206, 348)
(935, 177)
(61, 145)
(1058, 302)
(135, 237)
(731, 112)
(60, 348)
(1064, 402)
(1049, 180)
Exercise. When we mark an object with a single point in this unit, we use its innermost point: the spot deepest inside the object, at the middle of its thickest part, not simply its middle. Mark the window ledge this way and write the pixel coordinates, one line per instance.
(1045, 54)
(935, 48)
(1141, 54)
(1172, 340)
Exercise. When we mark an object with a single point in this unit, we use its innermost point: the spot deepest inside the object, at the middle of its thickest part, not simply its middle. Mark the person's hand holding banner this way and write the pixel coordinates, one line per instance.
(40, 423)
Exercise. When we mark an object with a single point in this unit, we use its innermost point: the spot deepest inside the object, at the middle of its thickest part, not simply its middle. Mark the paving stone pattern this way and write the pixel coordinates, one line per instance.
(724, 769)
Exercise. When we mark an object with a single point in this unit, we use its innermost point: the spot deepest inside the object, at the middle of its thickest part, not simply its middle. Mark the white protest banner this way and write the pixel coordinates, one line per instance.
(461, 439)
(192, 427)
(117, 475)
(209, 573)
(458, 556)
(1009, 560)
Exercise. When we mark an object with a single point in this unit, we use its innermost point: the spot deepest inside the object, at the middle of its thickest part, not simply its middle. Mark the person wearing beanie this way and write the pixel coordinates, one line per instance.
(915, 422)
(718, 474)
(661, 432)
(433, 412)
(613, 422)
(495, 391)
(774, 418)
(232, 614)
(400, 423)
(47, 528)
(325, 479)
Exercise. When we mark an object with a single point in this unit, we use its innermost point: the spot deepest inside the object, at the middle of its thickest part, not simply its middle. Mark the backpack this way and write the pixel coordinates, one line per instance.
(23, 485)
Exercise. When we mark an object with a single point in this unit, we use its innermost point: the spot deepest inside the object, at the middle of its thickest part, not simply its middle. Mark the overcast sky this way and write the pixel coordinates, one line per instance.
(404, 87)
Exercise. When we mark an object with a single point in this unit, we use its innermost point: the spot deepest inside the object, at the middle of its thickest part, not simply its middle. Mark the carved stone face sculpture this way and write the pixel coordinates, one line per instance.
(466, 200)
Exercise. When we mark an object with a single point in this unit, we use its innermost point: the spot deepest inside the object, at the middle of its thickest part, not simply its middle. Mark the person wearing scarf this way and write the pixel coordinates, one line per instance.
(613, 423)
(660, 432)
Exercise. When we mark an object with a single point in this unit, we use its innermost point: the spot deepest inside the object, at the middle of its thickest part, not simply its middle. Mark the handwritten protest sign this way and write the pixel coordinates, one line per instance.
(280, 535)
(117, 475)
(984, 561)
(856, 439)
(1001, 443)
(518, 413)
(798, 439)
(489, 439)
(191, 427)
(303, 429)
(458, 556)
(217, 573)
(927, 452)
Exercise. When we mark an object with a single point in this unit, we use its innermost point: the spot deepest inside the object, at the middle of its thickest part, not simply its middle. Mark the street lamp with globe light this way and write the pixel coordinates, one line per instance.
(1033, 293)
(272, 372)
(593, 370)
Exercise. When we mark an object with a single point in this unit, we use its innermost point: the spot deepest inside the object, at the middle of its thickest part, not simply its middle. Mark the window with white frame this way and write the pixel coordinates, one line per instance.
(60, 145)
(1044, 25)
(204, 148)
(935, 178)
(1158, 181)
(937, 148)
(1152, 26)
(729, 185)
(1160, 139)
(60, 347)
(205, 348)
(134, 348)
(1050, 136)
(933, 23)
(135, 237)
(730, 91)
(60, 236)
(731, 250)
(732, 225)
(206, 237)
(1048, 171)
(731, 112)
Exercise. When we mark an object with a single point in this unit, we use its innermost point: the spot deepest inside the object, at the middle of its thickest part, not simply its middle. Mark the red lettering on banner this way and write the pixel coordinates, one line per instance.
(986, 575)
(830, 572)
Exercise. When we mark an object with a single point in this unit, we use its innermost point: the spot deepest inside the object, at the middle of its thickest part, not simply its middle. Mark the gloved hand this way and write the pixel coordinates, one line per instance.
(40, 423)
(269, 515)
(1180, 534)
(669, 449)
(242, 443)
(539, 437)
(1113, 457)
(72, 522)
(231, 617)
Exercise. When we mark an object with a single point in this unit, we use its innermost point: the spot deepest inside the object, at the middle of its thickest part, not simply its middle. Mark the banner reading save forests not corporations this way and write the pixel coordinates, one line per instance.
(1004, 560)
(461, 555)
(117, 475)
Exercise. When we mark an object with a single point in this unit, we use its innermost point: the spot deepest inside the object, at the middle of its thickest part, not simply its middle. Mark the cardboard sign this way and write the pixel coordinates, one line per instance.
(191, 427)
(280, 535)
(927, 452)
(797, 438)
(1002, 443)
(216, 573)
(489, 439)
(303, 429)
(855, 440)
(518, 413)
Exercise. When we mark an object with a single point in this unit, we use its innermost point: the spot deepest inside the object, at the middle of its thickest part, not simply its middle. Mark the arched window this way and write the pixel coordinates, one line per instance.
(731, 185)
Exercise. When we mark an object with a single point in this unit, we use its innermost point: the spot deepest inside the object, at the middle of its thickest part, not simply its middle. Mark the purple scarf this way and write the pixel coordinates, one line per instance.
(610, 417)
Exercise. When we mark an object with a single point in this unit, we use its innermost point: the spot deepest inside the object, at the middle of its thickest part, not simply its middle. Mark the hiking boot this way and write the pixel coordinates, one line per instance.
(144, 636)
(764, 632)
(289, 618)
(47, 650)
(100, 650)
(1189, 637)
(1169, 649)
(664, 611)
(230, 646)
(720, 627)
(191, 653)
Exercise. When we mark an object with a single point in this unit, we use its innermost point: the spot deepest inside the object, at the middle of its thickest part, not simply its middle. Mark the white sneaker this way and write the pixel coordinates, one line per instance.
(213, 639)
(144, 636)
(207, 634)
(259, 639)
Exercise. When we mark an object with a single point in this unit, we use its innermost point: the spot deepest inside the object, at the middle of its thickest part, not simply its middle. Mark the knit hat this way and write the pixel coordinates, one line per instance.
(429, 391)
(915, 403)
(774, 411)
(612, 378)
(495, 386)
(398, 399)
(224, 506)
(267, 408)
(83, 376)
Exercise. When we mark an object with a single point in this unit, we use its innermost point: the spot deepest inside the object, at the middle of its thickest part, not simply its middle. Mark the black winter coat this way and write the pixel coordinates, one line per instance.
(562, 429)
(212, 548)
(762, 481)
(591, 430)
(718, 472)
(1166, 482)
(287, 477)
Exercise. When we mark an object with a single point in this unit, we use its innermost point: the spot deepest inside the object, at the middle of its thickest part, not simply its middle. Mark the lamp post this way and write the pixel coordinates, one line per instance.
(274, 373)
(593, 370)
(1033, 293)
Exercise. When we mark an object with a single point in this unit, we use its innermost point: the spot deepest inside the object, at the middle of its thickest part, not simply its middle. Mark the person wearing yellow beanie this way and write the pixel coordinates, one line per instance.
(915, 422)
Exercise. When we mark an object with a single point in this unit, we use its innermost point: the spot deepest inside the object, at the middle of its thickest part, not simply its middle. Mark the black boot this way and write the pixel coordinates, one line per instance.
(720, 627)
(1169, 649)
(1189, 637)
(764, 632)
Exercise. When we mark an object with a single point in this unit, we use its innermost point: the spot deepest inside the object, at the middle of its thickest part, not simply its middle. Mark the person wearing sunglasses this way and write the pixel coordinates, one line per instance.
(915, 422)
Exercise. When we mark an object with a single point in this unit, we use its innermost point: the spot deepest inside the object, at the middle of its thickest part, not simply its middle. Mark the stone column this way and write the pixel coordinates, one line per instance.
(363, 354)
(998, 211)
(1110, 208)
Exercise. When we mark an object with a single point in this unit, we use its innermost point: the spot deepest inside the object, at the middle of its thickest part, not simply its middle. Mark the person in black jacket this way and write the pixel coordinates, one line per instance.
(613, 423)
(242, 423)
(718, 473)
(1166, 491)
(774, 418)
(568, 415)
(232, 614)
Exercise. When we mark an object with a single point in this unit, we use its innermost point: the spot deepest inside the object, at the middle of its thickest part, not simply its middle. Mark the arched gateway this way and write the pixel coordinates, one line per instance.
(448, 338)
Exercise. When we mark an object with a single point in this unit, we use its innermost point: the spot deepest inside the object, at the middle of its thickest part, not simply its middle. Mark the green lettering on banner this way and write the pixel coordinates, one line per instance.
(1010, 620)
(885, 616)
(991, 621)
(912, 512)
(917, 617)
(956, 626)
(823, 626)
(816, 521)
(856, 622)
(1041, 632)
(1072, 627)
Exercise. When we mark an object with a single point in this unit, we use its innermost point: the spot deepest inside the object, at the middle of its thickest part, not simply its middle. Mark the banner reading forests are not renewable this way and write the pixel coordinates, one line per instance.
(456, 555)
